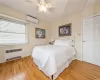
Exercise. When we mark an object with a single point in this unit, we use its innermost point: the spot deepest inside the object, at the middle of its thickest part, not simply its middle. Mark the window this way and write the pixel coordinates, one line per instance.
(12, 32)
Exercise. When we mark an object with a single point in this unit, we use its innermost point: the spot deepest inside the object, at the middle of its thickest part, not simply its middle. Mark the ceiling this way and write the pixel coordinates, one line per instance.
(62, 7)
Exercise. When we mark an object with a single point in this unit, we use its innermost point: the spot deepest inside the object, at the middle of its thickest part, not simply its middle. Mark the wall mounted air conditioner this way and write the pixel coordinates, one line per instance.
(32, 19)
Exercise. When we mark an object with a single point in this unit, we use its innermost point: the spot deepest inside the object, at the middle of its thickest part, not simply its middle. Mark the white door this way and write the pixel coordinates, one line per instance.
(88, 40)
(91, 40)
(96, 55)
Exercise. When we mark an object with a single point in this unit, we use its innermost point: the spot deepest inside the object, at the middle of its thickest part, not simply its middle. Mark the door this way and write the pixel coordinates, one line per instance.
(88, 40)
(96, 55)
(91, 40)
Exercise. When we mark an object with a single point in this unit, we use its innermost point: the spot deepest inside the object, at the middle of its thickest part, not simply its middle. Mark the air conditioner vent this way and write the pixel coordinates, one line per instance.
(13, 50)
(14, 58)
(32, 19)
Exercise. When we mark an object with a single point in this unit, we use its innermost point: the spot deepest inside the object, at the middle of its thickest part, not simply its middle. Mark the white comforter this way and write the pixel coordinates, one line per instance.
(51, 57)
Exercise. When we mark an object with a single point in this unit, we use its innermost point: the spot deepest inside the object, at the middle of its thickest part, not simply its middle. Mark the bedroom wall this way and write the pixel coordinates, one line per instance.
(97, 7)
(26, 48)
(76, 20)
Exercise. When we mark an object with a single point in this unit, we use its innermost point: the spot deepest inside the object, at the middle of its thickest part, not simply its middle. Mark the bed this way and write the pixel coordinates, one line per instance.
(53, 59)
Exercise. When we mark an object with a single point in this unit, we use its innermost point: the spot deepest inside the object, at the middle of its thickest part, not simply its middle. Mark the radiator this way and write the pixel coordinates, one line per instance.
(13, 54)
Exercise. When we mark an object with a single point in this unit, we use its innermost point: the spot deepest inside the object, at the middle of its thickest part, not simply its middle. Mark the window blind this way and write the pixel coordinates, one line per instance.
(12, 32)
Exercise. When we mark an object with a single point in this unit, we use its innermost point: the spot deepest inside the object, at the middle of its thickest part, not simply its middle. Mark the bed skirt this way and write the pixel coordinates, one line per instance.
(62, 68)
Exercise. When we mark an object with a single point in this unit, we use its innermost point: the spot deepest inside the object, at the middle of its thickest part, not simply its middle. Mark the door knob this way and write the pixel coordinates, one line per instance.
(83, 41)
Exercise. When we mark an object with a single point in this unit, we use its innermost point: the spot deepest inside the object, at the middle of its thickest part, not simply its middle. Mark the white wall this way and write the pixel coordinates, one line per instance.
(26, 48)
(76, 20)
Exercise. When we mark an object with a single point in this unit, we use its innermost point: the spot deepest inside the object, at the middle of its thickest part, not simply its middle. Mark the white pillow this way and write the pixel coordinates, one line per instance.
(63, 42)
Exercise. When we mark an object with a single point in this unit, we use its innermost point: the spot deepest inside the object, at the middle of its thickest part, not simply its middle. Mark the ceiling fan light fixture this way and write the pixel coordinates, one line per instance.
(42, 8)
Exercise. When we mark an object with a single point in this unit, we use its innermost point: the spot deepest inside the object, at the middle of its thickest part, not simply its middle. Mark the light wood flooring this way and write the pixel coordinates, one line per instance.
(25, 69)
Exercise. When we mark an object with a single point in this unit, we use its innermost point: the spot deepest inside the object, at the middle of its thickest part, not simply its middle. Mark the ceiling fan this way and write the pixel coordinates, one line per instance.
(43, 5)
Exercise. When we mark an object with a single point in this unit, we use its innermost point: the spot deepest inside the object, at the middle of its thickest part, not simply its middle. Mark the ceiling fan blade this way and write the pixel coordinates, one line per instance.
(33, 1)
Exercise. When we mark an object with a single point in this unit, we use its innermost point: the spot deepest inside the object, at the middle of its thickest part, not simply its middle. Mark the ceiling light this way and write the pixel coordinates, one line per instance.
(43, 6)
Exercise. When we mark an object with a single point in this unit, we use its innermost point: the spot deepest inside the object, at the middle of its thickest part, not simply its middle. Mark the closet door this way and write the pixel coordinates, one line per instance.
(96, 55)
(88, 40)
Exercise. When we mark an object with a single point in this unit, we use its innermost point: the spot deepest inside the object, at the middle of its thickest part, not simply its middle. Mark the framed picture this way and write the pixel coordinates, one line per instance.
(40, 33)
(65, 30)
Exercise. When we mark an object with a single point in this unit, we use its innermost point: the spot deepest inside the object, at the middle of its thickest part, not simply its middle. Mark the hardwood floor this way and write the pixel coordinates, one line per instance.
(25, 69)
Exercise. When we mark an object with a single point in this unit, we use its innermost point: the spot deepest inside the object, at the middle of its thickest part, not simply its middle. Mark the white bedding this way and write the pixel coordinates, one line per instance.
(49, 58)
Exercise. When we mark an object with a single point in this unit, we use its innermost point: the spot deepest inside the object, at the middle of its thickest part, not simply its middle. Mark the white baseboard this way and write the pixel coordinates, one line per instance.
(2, 61)
(21, 56)
(79, 59)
